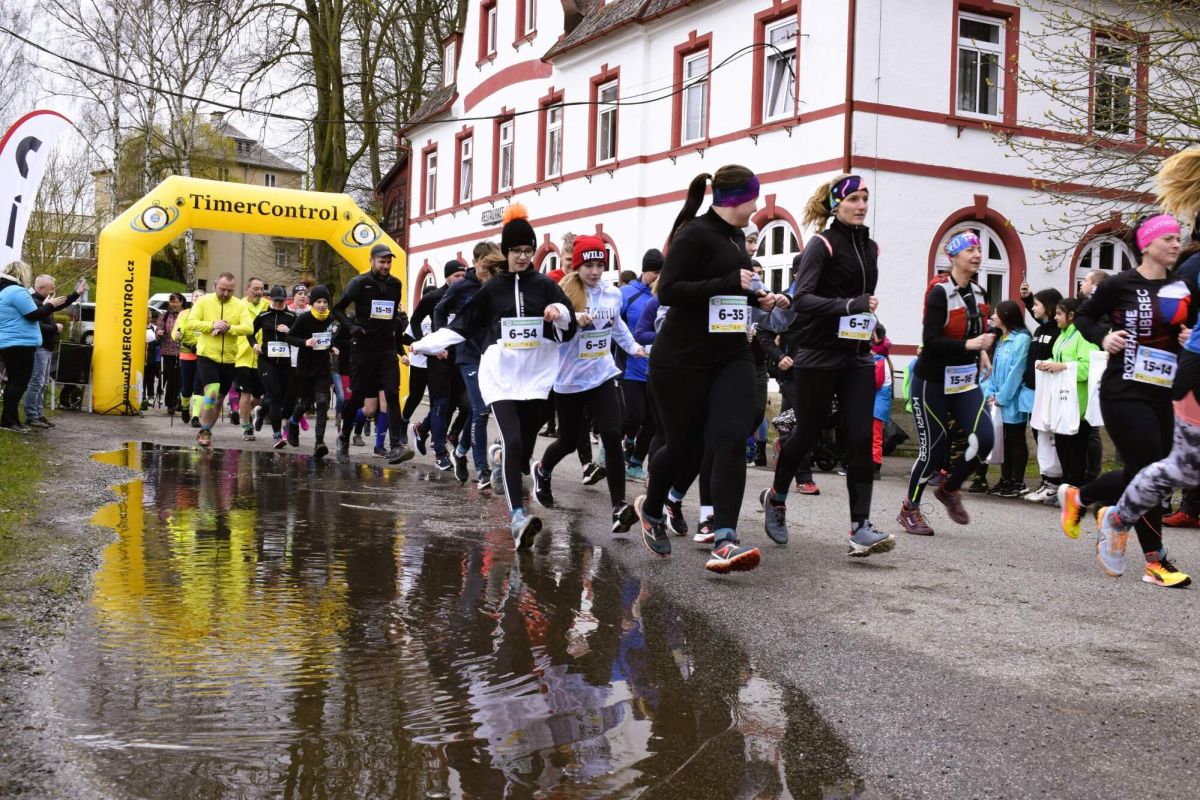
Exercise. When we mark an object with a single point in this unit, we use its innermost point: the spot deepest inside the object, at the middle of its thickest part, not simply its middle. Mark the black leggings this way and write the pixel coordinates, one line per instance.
(640, 416)
(573, 422)
(276, 375)
(932, 409)
(418, 379)
(170, 377)
(854, 388)
(1144, 436)
(1073, 454)
(698, 409)
(519, 421)
(1016, 452)
(18, 365)
(187, 381)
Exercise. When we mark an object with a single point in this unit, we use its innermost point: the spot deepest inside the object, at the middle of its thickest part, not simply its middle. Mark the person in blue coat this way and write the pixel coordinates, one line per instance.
(1005, 387)
(638, 425)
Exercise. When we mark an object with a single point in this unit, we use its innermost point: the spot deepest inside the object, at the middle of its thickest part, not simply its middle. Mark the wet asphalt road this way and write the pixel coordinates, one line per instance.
(992, 660)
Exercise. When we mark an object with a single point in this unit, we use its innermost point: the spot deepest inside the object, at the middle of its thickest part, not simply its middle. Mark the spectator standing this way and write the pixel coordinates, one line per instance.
(20, 337)
(35, 395)
(169, 348)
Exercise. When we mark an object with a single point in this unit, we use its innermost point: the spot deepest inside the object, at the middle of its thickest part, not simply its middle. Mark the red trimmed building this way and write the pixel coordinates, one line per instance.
(597, 114)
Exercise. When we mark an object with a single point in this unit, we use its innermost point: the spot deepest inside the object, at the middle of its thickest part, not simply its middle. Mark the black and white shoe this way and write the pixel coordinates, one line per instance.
(676, 523)
(623, 518)
(443, 463)
(460, 467)
(541, 487)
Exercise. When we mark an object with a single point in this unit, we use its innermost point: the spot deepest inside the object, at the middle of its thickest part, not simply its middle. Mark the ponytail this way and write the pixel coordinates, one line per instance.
(817, 210)
(695, 197)
(572, 286)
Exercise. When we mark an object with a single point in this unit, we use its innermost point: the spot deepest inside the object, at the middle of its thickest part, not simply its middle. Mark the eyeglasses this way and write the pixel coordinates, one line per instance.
(522, 252)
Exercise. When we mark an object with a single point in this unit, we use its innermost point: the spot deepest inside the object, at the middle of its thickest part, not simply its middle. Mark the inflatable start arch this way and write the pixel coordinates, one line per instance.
(178, 203)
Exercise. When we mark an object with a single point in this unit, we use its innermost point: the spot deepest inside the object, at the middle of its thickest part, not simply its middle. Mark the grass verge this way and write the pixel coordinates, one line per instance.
(21, 470)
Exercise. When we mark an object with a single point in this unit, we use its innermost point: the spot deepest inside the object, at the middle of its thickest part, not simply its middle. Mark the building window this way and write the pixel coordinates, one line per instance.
(530, 16)
(430, 197)
(993, 272)
(222, 173)
(980, 58)
(554, 124)
(269, 180)
(448, 62)
(1113, 79)
(281, 257)
(779, 89)
(777, 248)
(489, 30)
(606, 123)
(1106, 254)
(695, 97)
(466, 157)
(81, 249)
(505, 178)
(550, 262)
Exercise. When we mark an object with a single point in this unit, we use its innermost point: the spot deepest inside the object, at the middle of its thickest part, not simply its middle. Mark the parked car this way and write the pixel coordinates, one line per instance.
(83, 321)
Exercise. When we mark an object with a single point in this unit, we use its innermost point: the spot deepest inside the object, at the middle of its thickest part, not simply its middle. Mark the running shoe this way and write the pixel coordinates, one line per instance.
(293, 433)
(1181, 519)
(357, 441)
(442, 462)
(593, 473)
(676, 522)
(16, 427)
(398, 455)
(1013, 489)
(912, 520)
(247, 434)
(303, 423)
(634, 472)
(704, 532)
(35, 422)
(258, 418)
(1039, 494)
(195, 422)
(1072, 512)
(185, 414)
(1110, 547)
(524, 528)
(414, 436)
(460, 467)
(320, 451)
(484, 481)
(1164, 573)
(44, 422)
(496, 459)
(866, 541)
(204, 438)
(938, 478)
(279, 443)
(654, 532)
(774, 517)
(809, 488)
(953, 503)
(731, 556)
(623, 518)
(235, 418)
(978, 486)
(343, 450)
(541, 487)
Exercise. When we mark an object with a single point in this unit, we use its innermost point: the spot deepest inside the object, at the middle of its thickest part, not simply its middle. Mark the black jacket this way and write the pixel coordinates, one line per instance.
(372, 335)
(46, 321)
(704, 260)
(310, 361)
(502, 297)
(833, 281)
(266, 323)
(450, 305)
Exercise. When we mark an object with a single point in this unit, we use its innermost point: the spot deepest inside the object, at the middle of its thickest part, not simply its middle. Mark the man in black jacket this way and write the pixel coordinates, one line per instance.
(35, 395)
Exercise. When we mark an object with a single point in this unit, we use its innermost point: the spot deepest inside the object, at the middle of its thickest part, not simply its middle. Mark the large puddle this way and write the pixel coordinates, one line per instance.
(267, 627)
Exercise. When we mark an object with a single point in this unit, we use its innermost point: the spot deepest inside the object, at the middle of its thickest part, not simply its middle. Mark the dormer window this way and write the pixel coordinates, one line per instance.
(449, 61)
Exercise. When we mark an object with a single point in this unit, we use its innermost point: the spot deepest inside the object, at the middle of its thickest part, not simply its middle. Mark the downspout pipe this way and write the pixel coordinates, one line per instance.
(848, 131)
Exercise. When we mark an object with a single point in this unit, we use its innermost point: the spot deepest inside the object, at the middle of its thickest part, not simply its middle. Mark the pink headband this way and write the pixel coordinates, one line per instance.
(1151, 229)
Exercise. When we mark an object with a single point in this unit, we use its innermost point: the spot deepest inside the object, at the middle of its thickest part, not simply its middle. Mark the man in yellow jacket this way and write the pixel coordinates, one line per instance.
(218, 320)
(249, 384)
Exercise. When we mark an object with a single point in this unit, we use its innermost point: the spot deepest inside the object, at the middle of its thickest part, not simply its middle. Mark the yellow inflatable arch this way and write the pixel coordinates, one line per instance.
(176, 204)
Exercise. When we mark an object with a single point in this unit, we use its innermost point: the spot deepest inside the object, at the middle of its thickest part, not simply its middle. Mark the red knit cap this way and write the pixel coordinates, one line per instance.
(588, 248)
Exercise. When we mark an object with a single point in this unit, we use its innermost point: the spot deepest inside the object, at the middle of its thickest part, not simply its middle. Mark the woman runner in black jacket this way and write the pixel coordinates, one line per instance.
(834, 294)
(702, 374)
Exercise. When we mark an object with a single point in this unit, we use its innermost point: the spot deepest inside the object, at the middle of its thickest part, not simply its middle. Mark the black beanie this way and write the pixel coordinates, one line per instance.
(652, 261)
(318, 292)
(453, 266)
(517, 231)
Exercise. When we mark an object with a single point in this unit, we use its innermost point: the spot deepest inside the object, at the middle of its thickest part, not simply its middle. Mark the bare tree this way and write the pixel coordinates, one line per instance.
(13, 62)
(1122, 78)
(61, 237)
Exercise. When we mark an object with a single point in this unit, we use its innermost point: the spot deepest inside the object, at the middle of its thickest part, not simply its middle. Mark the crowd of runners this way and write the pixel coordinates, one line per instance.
(667, 374)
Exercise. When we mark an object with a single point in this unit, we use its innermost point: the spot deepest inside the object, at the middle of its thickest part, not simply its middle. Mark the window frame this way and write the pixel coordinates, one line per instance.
(768, 61)
(1091, 251)
(429, 179)
(489, 20)
(464, 160)
(281, 256)
(553, 99)
(605, 79)
(449, 59)
(270, 180)
(980, 48)
(695, 46)
(526, 22)
(498, 147)
(1138, 46)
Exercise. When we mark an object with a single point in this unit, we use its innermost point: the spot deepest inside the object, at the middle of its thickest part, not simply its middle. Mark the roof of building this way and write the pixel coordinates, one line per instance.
(253, 154)
(436, 102)
(600, 18)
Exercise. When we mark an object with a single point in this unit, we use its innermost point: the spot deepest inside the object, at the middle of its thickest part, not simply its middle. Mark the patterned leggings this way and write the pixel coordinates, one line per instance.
(1181, 467)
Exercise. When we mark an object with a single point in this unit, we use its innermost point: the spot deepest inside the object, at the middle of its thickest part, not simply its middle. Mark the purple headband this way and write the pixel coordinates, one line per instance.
(961, 242)
(846, 186)
(737, 195)
(1151, 229)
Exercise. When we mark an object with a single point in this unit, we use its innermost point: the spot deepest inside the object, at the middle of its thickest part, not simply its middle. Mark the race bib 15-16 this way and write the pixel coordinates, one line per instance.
(960, 379)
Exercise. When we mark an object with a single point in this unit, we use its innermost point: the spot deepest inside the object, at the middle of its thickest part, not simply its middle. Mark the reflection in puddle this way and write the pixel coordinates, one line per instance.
(252, 633)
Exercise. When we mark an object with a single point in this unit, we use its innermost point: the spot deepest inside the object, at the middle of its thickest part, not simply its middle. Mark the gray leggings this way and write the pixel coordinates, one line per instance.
(1156, 482)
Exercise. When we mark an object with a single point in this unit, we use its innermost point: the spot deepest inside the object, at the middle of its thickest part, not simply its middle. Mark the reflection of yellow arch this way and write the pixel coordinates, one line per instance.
(176, 204)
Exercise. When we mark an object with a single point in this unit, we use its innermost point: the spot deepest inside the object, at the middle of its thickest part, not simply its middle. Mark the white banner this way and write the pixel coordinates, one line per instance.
(23, 153)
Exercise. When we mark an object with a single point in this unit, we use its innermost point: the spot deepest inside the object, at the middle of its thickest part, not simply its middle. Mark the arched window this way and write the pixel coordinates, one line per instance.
(777, 248)
(550, 262)
(612, 276)
(993, 272)
(430, 282)
(1107, 254)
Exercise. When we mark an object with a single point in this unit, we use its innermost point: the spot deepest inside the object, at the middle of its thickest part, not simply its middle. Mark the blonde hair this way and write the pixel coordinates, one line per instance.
(816, 210)
(568, 250)
(18, 271)
(491, 262)
(572, 286)
(1178, 184)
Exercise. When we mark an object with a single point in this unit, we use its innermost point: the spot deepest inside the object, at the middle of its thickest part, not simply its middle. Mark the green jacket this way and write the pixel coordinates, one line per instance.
(1070, 346)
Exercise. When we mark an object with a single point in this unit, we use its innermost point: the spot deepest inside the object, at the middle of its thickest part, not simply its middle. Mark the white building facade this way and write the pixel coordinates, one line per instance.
(596, 118)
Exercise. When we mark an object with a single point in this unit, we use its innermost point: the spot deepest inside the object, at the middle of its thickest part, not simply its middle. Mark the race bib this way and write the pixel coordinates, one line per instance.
(728, 313)
(278, 350)
(323, 340)
(593, 344)
(382, 309)
(960, 379)
(1156, 367)
(521, 333)
(857, 327)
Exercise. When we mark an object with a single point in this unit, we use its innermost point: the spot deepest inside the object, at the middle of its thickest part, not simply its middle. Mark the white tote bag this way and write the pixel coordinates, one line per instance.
(997, 456)
(1099, 363)
(1039, 419)
(1064, 400)
(1047, 456)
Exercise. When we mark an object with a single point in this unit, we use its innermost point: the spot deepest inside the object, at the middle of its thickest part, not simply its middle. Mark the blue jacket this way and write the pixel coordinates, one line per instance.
(16, 329)
(883, 395)
(1007, 381)
(634, 297)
